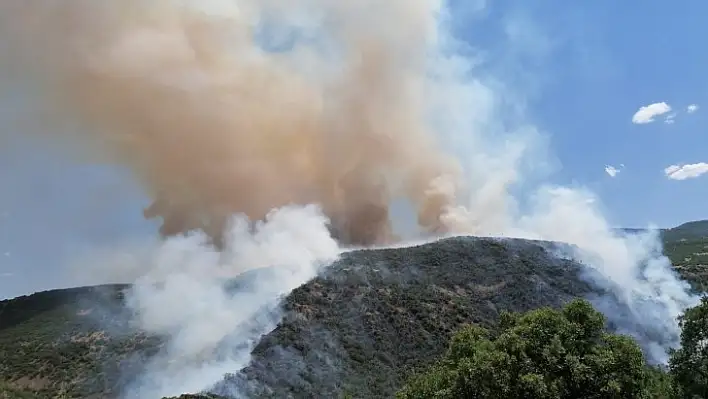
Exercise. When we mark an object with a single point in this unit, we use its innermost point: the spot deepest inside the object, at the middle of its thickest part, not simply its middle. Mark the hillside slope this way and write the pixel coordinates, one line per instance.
(687, 247)
(74, 342)
(377, 315)
(393, 309)
(361, 327)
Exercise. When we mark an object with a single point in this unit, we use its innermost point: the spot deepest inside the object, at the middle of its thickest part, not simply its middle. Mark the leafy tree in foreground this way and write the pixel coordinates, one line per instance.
(689, 364)
(544, 353)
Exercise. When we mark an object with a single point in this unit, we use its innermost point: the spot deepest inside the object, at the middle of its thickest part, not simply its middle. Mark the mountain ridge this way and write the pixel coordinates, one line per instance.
(79, 341)
(691, 228)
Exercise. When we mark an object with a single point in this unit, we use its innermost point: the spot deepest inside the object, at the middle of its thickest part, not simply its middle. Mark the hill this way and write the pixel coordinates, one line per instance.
(361, 327)
(73, 342)
(407, 303)
(687, 247)
(688, 230)
(392, 308)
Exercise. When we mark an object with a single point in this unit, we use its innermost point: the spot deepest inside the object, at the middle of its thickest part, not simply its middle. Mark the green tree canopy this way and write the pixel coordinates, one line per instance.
(689, 364)
(544, 353)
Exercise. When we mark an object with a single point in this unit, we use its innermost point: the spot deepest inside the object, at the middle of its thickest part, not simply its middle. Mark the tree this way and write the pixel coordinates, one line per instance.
(688, 365)
(544, 353)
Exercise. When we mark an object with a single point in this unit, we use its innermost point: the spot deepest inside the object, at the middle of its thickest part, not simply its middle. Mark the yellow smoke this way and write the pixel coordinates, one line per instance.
(211, 124)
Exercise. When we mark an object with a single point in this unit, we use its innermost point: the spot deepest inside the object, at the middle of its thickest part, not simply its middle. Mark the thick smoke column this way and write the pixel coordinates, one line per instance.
(223, 107)
(184, 94)
(186, 293)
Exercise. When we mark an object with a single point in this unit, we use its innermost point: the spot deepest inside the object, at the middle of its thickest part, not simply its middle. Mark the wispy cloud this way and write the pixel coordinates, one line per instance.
(670, 118)
(692, 108)
(686, 171)
(648, 113)
(612, 171)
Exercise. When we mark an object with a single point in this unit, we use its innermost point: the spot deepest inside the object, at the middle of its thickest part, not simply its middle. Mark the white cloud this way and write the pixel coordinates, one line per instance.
(687, 171)
(692, 108)
(646, 114)
(611, 170)
(670, 118)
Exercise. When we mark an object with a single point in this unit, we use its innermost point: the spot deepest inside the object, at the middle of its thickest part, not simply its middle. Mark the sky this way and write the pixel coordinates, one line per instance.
(619, 88)
(621, 96)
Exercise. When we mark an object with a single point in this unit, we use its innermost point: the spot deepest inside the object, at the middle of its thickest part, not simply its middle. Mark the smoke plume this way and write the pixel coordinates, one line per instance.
(213, 122)
(261, 108)
(185, 294)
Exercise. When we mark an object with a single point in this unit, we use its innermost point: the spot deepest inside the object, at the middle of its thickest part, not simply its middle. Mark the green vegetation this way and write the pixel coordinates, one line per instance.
(545, 353)
(8, 391)
(563, 354)
(375, 319)
(689, 364)
(687, 247)
(68, 343)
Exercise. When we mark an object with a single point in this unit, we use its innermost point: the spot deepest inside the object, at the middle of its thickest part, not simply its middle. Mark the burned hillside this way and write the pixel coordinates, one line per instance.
(376, 315)
(360, 327)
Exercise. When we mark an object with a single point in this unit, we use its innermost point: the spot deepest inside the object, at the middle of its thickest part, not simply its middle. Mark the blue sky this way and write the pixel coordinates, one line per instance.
(594, 64)
(585, 67)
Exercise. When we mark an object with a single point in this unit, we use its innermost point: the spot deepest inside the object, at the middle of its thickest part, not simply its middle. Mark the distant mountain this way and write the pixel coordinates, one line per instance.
(359, 328)
(688, 230)
(687, 247)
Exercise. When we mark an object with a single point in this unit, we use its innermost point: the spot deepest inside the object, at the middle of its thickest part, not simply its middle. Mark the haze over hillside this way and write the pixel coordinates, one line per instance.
(271, 140)
(360, 327)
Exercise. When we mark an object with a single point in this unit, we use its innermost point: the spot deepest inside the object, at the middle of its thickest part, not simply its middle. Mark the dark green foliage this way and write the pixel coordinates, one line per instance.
(661, 384)
(544, 353)
(689, 364)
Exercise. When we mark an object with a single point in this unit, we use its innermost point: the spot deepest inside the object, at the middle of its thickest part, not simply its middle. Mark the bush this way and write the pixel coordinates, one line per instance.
(544, 353)
(689, 364)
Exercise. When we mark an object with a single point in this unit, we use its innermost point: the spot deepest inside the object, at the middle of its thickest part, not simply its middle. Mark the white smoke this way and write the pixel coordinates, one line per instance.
(415, 121)
(646, 294)
(184, 294)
